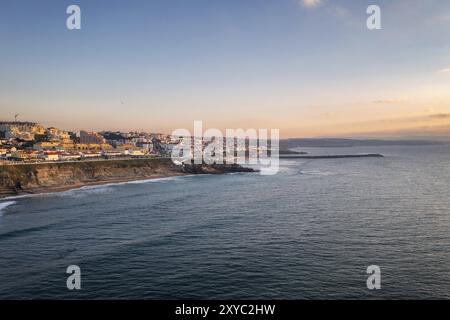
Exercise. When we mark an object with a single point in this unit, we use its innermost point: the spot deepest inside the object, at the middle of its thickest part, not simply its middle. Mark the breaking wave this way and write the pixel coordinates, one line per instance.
(316, 172)
(4, 205)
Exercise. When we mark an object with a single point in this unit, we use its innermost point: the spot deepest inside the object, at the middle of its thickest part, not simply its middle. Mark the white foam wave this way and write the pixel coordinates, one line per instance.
(96, 188)
(316, 172)
(4, 205)
(101, 188)
(108, 187)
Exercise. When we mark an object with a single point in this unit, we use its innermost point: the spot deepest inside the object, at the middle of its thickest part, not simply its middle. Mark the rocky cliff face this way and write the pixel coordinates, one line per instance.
(34, 178)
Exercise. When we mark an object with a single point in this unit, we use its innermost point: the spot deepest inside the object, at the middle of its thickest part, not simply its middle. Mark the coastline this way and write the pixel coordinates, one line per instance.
(23, 180)
(335, 156)
(54, 189)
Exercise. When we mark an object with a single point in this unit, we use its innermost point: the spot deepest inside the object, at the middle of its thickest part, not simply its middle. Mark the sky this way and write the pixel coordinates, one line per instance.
(310, 68)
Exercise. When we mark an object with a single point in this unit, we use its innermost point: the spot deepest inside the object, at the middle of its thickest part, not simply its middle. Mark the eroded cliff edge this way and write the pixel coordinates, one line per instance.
(50, 177)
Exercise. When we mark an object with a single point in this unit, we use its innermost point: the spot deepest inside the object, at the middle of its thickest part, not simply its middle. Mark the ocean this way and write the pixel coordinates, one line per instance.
(309, 232)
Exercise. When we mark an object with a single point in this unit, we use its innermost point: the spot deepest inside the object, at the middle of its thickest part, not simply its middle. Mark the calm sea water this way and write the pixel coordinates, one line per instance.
(308, 232)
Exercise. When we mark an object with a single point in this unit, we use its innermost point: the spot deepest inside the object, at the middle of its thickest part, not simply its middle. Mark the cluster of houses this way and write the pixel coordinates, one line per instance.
(32, 142)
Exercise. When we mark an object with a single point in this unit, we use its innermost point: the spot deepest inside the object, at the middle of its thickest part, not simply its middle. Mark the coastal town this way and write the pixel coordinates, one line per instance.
(31, 142)
(37, 159)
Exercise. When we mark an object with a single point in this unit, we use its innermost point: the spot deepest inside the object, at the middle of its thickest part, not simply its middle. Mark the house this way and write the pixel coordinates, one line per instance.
(136, 153)
(69, 156)
(90, 155)
(47, 145)
(49, 155)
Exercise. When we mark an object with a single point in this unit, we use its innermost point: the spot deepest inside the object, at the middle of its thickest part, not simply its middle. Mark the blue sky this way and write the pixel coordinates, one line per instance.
(307, 67)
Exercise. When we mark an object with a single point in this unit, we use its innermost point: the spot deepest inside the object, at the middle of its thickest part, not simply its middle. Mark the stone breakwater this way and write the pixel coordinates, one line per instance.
(51, 177)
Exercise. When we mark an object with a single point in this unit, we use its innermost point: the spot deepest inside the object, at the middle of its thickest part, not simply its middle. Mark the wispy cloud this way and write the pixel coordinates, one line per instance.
(440, 18)
(340, 12)
(330, 8)
(445, 70)
(310, 3)
(440, 116)
(389, 101)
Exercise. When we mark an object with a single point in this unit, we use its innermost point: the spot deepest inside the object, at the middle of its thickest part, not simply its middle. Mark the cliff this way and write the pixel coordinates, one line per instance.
(49, 177)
